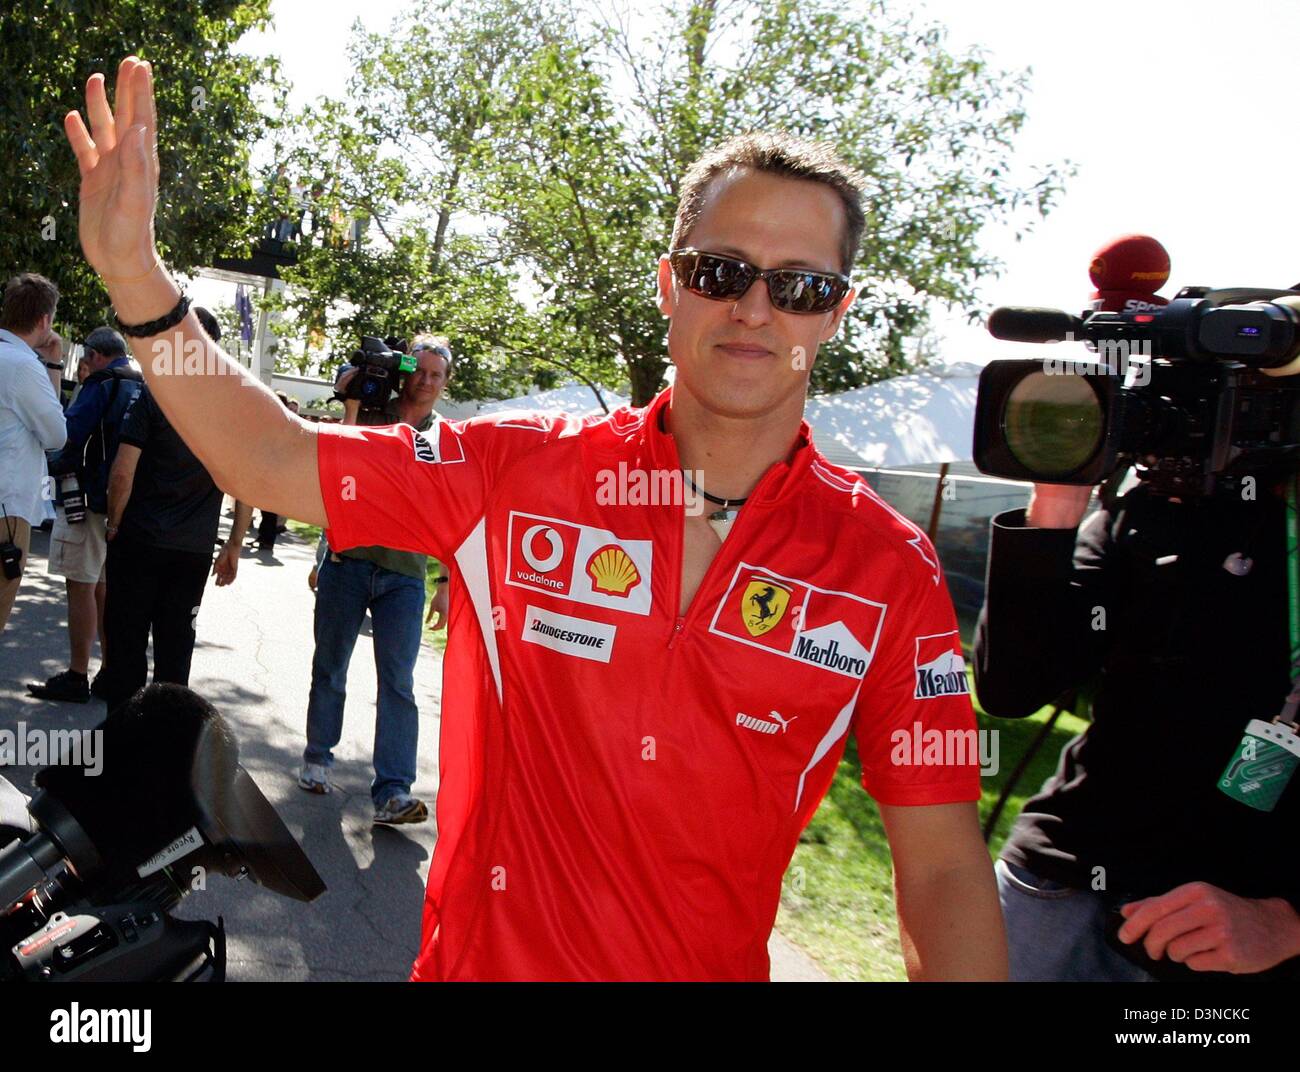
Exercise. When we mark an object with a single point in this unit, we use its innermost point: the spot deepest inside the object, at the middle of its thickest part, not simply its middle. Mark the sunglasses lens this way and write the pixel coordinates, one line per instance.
(721, 278)
(804, 292)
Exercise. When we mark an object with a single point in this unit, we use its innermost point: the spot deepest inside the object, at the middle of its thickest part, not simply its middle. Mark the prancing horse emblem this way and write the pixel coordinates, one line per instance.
(763, 605)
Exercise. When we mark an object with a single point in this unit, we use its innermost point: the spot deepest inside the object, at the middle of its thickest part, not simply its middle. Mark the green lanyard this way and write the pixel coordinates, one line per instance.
(1288, 715)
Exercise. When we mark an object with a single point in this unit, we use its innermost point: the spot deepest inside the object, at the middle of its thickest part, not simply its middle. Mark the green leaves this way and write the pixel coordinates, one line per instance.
(49, 50)
(506, 172)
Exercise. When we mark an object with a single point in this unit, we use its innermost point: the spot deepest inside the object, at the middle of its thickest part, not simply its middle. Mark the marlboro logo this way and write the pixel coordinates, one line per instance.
(940, 667)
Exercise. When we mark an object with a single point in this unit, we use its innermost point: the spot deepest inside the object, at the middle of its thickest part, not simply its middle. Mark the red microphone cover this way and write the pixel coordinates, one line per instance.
(1127, 271)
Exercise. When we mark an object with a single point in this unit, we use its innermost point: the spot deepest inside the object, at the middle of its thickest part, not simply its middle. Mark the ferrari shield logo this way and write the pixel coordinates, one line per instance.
(763, 605)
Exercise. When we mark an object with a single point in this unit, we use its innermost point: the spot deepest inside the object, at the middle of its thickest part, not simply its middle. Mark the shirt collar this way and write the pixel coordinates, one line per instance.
(8, 336)
(660, 452)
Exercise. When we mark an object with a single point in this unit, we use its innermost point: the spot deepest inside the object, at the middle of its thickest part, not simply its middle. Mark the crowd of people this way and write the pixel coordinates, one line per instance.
(133, 519)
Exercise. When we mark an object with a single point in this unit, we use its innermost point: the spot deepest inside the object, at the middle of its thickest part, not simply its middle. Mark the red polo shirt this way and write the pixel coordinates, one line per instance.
(622, 786)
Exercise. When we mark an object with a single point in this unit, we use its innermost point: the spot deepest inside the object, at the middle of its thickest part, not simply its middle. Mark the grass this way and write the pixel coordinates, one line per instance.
(837, 900)
(312, 534)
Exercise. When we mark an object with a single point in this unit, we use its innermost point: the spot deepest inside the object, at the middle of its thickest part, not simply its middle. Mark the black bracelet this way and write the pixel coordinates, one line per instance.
(440, 580)
(155, 327)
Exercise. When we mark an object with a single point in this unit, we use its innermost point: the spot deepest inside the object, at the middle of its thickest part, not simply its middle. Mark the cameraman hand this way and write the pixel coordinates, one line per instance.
(346, 376)
(1210, 929)
(1057, 506)
(437, 605)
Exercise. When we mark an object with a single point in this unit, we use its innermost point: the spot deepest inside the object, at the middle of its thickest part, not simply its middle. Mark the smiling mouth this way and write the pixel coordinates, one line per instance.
(741, 349)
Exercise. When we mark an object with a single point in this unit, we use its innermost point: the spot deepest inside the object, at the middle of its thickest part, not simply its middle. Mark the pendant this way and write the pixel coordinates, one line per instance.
(721, 521)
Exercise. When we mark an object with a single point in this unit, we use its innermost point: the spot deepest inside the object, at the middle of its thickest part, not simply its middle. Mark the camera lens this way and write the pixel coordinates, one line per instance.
(1052, 424)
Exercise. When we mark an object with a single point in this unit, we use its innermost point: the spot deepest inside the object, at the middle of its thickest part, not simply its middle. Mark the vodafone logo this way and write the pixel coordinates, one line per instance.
(551, 540)
(577, 562)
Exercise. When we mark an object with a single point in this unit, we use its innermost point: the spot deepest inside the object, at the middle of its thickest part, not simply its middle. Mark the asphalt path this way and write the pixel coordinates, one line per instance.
(253, 662)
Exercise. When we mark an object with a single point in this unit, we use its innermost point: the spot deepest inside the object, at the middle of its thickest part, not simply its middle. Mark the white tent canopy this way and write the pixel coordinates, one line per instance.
(575, 399)
(918, 419)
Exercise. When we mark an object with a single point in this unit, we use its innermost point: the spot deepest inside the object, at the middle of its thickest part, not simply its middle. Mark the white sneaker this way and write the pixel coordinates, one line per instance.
(315, 778)
(402, 808)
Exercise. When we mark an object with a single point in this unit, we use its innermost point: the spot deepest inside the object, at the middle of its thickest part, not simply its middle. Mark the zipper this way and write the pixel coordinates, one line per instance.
(679, 625)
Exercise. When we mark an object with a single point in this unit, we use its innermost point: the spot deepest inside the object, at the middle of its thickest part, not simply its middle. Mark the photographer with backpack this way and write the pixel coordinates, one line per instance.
(78, 542)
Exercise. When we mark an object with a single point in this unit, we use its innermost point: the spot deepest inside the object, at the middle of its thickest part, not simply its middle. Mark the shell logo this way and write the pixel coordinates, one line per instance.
(612, 571)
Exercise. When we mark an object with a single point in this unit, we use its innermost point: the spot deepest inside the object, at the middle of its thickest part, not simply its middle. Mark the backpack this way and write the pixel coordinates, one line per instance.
(100, 448)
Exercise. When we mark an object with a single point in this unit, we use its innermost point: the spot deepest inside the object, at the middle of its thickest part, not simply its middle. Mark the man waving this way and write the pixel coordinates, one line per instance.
(616, 801)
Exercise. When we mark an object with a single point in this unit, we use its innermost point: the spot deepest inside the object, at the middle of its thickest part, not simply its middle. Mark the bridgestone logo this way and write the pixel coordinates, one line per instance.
(829, 656)
(580, 637)
(569, 636)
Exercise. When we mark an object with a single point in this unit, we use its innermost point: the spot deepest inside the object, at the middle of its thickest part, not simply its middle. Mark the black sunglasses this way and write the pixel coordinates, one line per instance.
(792, 290)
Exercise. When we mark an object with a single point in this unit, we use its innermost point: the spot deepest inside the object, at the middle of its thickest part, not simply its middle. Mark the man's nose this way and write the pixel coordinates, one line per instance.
(755, 306)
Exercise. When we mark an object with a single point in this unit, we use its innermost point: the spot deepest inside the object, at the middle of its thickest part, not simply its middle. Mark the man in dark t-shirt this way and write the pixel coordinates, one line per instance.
(163, 512)
(1178, 612)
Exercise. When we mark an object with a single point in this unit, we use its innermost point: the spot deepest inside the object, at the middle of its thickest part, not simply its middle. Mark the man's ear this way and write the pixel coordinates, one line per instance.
(837, 314)
(664, 287)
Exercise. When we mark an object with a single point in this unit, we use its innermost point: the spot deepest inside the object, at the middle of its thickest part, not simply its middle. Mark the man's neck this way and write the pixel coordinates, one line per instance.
(413, 413)
(29, 338)
(731, 453)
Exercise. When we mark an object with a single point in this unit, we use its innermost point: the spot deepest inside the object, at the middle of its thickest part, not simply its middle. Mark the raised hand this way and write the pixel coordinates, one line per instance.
(118, 158)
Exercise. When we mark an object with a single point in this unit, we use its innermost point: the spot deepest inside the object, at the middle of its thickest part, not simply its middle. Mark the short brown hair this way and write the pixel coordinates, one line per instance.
(27, 298)
(776, 153)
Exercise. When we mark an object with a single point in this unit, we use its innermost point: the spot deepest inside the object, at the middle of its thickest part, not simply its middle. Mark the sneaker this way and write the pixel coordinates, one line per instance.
(315, 778)
(67, 686)
(99, 685)
(402, 808)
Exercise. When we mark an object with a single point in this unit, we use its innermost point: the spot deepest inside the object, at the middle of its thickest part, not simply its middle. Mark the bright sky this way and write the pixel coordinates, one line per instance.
(1174, 112)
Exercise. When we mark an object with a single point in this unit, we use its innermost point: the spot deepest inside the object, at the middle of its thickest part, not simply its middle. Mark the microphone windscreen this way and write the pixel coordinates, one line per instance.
(157, 753)
(1127, 271)
(1020, 324)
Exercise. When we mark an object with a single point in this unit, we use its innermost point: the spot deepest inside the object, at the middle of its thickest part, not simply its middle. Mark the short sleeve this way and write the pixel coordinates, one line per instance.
(395, 487)
(37, 405)
(138, 422)
(914, 723)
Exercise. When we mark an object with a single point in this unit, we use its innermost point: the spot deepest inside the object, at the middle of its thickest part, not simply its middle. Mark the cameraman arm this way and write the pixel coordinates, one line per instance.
(1042, 629)
(253, 447)
(351, 406)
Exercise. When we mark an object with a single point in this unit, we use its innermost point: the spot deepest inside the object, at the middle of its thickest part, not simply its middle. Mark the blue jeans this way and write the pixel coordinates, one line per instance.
(345, 589)
(1056, 933)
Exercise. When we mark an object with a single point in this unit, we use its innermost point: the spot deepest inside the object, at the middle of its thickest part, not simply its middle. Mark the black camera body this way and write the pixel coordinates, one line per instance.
(380, 368)
(1197, 395)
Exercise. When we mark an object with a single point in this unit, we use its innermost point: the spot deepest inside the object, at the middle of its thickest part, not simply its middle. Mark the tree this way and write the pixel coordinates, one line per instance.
(586, 179)
(387, 169)
(548, 154)
(213, 105)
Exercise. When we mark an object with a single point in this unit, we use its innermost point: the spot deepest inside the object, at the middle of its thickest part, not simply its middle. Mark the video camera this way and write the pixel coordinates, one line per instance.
(92, 865)
(380, 365)
(1197, 394)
